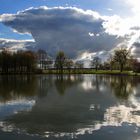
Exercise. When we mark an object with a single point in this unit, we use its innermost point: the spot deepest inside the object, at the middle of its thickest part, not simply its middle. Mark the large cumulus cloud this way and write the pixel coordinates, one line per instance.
(69, 29)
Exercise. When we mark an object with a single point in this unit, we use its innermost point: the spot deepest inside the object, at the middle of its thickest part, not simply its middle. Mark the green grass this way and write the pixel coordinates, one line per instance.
(90, 71)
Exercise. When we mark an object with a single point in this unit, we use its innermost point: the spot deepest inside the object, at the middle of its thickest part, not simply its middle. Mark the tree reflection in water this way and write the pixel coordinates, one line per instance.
(122, 86)
(62, 83)
(63, 102)
(12, 87)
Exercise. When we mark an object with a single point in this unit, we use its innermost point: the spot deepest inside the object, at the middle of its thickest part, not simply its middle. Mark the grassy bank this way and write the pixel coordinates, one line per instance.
(76, 71)
(90, 71)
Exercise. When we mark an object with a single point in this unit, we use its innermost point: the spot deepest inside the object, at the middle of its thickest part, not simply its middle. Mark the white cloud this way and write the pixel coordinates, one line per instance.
(127, 27)
(109, 9)
(15, 45)
(91, 34)
(134, 4)
(6, 17)
(97, 34)
(87, 57)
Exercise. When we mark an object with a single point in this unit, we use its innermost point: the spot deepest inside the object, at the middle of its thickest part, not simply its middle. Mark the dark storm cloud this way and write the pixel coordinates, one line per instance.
(136, 50)
(60, 28)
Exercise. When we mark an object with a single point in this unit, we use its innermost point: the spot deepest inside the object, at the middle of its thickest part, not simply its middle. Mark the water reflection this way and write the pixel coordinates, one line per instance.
(69, 105)
(12, 87)
(62, 83)
(122, 86)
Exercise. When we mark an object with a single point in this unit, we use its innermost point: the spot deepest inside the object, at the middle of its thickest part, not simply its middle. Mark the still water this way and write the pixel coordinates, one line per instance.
(83, 107)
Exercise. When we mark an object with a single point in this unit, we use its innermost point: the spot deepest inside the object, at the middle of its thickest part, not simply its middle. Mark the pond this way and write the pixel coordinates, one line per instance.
(83, 107)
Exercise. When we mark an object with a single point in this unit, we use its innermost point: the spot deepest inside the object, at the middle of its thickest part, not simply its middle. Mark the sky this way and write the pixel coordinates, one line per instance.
(13, 6)
(82, 28)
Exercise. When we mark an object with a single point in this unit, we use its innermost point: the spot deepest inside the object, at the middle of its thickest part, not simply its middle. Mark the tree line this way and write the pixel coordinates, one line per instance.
(19, 62)
(29, 62)
(121, 59)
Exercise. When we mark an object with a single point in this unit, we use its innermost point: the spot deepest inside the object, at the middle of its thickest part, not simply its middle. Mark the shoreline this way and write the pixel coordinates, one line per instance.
(89, 71)
(56, 72)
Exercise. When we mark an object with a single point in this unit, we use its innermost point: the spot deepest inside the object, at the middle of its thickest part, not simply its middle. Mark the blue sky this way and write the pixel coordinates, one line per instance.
(12, 6)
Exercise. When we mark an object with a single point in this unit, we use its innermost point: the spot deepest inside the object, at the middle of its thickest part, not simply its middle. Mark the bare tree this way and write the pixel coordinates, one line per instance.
(121, 56)
(111, 62)
(69, 64)
(96, 62)
(60, 60)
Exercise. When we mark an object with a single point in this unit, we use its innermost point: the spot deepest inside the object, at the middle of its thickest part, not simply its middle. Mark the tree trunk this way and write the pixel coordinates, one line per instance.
(121, 67)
